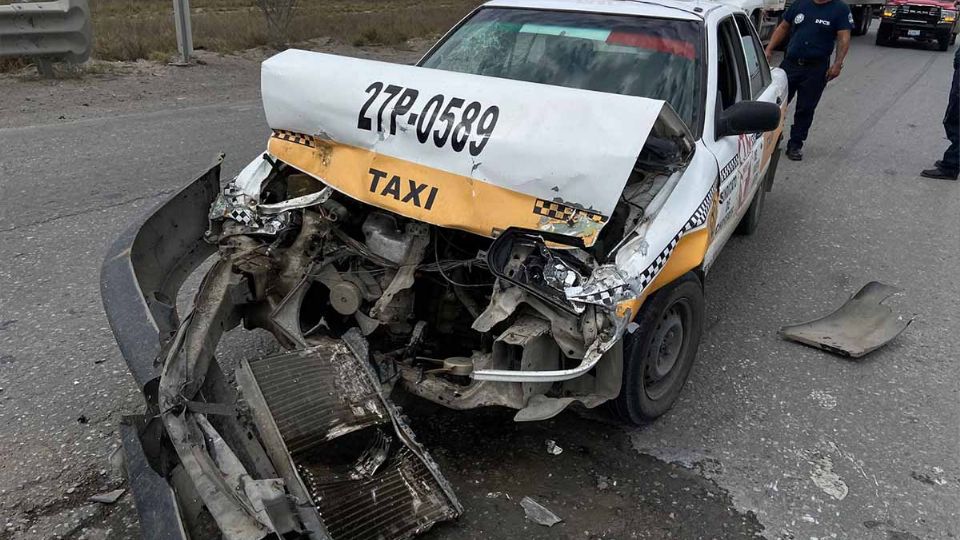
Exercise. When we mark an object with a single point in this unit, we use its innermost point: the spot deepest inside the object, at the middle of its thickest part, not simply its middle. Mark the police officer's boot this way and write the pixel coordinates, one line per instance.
(794, 153)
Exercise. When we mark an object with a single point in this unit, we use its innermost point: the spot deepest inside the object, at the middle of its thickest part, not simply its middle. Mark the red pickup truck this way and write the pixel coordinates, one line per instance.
(925, 20)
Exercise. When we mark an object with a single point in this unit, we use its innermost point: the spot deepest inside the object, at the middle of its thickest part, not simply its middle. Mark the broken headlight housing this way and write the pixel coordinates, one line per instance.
(523, 258)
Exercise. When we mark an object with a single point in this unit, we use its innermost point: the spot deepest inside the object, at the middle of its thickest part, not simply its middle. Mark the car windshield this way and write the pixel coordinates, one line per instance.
(620, 54)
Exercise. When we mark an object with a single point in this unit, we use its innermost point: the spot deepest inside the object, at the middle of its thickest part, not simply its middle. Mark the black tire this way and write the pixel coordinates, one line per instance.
(751, 220)
(884, 33)
(943, 42)
(658, 356)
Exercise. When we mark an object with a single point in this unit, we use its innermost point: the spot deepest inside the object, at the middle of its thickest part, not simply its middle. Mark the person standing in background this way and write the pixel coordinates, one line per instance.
(949, 167)
(815, 28)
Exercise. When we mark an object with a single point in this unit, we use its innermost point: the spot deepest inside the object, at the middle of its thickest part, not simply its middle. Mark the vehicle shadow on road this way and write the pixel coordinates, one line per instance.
(599, 484)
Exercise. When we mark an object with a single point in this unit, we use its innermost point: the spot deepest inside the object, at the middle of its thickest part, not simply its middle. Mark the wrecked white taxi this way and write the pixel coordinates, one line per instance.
(525, 219)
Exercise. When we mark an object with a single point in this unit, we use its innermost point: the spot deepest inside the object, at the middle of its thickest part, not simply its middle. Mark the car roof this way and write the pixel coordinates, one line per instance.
(694, 10)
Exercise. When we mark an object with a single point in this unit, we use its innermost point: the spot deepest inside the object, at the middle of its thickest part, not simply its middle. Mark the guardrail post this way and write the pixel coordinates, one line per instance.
(45, 68)
(181, 19)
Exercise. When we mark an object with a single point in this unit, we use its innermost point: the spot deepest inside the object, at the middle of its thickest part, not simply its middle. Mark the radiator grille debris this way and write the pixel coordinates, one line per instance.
(364, 475)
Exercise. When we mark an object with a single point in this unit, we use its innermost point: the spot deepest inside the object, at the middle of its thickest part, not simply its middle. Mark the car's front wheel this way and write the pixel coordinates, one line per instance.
(657, 357)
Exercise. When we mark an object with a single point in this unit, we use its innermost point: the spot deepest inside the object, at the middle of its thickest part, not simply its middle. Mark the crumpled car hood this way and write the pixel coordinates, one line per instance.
(475, 153)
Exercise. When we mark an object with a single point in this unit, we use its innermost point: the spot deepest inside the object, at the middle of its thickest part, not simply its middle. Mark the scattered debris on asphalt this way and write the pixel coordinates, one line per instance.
(861, 325)
(828, 481)
(934, 478)
(827, 401)
(109, 497)
(553, 448)
(538, 513)
(603, 482)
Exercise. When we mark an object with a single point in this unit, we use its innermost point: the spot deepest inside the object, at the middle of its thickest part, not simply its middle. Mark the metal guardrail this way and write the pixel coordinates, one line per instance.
(57, 30)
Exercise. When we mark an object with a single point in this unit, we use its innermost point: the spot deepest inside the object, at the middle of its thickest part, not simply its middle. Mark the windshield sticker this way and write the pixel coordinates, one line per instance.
(654, 43)
(594, 34)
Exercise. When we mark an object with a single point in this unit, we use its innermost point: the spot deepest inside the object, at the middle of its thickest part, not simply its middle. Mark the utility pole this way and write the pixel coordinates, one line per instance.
(181, 19)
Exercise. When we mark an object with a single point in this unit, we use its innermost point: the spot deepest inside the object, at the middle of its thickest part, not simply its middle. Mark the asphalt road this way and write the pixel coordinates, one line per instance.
(768, 436)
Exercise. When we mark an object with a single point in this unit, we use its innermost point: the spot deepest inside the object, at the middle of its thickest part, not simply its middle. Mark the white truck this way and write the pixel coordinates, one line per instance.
(767, 14)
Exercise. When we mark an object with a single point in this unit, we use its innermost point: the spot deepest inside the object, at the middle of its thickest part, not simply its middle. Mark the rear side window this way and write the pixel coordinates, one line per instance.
(732, 82)
(756, 61)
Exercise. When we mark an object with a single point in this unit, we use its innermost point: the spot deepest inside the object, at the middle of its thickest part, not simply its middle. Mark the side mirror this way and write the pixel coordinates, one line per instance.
(748, 117)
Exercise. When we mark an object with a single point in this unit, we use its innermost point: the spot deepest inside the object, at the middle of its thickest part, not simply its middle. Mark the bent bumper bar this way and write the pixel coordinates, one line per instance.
(144, 269)
(139, 280)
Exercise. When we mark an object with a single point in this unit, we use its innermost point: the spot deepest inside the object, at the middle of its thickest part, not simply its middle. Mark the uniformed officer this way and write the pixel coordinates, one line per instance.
(814, 27)
(949, 167)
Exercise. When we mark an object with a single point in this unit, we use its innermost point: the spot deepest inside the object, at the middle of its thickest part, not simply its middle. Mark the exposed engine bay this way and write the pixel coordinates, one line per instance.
(445, 312)
(364, 300)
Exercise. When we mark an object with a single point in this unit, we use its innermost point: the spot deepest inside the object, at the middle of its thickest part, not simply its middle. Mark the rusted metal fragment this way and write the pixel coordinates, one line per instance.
(321, 412)
(861, 325)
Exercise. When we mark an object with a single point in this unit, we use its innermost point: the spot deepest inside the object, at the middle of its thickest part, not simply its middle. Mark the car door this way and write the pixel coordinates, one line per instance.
(742, 75)
(762, 89)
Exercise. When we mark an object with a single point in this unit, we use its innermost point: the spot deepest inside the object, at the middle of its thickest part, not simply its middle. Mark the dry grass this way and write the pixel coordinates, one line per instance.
(135, 29)
(12, 64)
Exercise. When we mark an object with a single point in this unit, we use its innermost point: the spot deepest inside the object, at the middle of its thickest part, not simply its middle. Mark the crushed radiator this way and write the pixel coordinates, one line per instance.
(342, 446)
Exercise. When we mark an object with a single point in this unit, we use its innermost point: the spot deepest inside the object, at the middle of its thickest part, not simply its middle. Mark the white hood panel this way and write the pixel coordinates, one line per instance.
(572, 146)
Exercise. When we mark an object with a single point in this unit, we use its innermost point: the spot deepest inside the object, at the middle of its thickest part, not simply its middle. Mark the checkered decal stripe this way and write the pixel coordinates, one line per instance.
(294, 137)
(610, 294)
(696, 221)
(700, 216)
(238, 206)
(242, 215)
(562, 212)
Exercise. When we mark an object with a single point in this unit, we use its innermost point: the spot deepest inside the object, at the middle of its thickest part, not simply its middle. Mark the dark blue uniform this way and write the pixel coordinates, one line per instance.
(813, 36)
(951, 122)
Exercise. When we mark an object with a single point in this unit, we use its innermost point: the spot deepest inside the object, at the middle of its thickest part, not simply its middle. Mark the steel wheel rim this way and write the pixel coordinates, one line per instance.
(667, 347)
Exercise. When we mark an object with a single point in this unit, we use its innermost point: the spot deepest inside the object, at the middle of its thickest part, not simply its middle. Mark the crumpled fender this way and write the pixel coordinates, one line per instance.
(672, 242)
